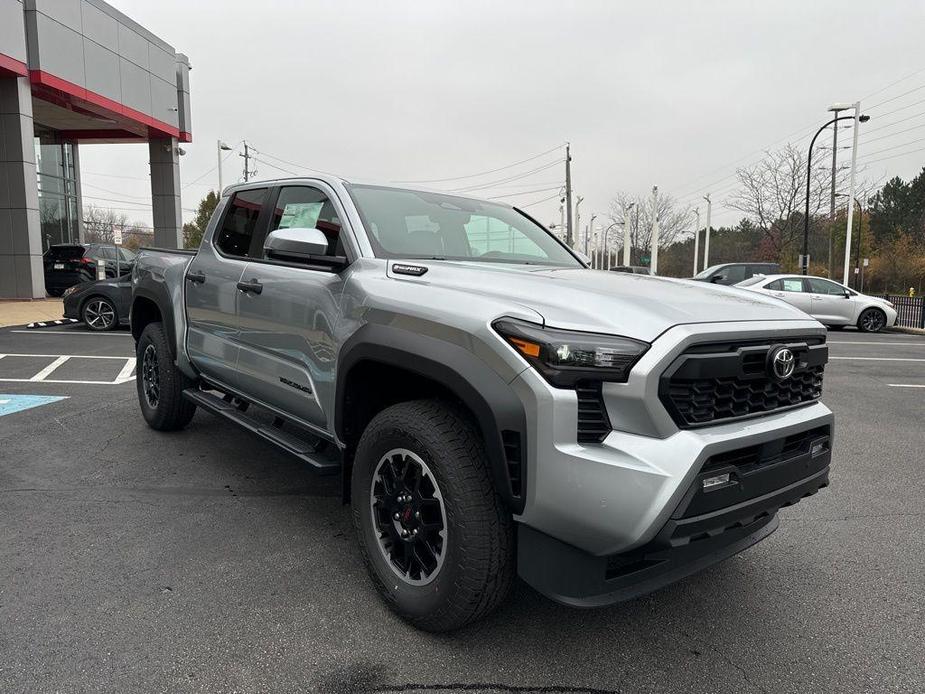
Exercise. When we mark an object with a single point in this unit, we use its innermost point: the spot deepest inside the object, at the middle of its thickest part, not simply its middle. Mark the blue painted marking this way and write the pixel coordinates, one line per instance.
(17, 403)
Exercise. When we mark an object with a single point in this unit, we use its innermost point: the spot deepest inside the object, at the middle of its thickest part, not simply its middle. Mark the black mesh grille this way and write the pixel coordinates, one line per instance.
(593, 422)
(731, 381)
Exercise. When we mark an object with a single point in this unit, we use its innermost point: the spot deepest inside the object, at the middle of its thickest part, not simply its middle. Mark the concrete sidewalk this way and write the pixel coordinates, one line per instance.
(22, 312)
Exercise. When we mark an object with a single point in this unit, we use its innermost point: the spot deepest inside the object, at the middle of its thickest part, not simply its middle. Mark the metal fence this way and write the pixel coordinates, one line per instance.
(910, 310)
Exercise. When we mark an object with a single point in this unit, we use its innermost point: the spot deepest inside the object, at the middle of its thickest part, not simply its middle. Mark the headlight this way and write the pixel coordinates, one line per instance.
(69, 291)
(564, 357)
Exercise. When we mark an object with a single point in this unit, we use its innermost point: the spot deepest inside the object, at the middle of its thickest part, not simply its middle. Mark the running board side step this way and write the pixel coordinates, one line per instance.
(326, 461)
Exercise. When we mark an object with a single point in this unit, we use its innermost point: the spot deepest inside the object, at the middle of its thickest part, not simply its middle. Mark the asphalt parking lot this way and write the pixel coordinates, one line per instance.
(205, 561)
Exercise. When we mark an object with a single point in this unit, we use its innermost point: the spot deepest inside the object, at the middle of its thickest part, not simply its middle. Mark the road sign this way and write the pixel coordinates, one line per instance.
(645, 259)
(866, 262)
(117, 236)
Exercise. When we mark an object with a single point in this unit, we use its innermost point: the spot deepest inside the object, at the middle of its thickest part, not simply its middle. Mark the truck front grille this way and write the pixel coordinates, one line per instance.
(720, 382)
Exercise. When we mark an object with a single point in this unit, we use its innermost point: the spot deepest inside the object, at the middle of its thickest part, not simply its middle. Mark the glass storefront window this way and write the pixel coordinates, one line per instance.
(57, 184)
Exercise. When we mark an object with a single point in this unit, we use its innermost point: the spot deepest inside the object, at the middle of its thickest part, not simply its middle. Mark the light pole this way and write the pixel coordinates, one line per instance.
(653, 252)
(606, 263)
(627, 241)
(706, 233)
(696, 240)
(809, 173)
(854, 161)
(857, 257)
(220, 147)
(573, 230)
(588, 231)
(836, 109)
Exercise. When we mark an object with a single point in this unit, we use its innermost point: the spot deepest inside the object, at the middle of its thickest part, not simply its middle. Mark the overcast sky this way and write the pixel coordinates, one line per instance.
(669, 93)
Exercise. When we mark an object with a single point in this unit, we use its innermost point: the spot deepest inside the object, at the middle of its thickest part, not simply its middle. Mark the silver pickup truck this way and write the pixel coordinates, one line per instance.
(493, 407)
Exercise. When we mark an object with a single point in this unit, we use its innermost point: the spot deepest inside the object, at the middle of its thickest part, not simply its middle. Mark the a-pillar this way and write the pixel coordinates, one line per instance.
(165, 192)
(21, 274)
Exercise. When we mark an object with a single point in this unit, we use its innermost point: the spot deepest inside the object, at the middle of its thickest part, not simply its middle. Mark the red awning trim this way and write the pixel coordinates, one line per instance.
(39, 77)
(9, 64)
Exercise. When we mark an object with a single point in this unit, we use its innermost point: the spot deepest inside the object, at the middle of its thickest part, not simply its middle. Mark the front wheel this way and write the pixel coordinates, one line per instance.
(433, 532)
(99, 313)
(160, 383)
(872, 320)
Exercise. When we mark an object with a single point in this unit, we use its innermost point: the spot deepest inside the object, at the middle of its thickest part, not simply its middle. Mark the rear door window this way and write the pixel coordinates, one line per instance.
(240, 222)
(792, 284)
(825, 287)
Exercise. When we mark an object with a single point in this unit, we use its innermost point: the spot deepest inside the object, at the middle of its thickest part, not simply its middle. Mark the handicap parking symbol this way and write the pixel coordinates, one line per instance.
(17, 403)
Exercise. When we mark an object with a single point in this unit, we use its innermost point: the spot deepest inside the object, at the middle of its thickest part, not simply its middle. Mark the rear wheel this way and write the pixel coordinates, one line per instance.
(160, 383)
(872, 320)
(436, 538)
(99, 313)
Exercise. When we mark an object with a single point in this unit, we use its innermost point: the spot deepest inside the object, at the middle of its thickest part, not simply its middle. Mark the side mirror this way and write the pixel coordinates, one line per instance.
(847, 294)
(295, 243)
(308, 246)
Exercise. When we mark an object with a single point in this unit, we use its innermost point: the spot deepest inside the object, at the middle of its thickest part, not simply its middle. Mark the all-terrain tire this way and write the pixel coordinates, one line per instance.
(166, 409)
(478, 563)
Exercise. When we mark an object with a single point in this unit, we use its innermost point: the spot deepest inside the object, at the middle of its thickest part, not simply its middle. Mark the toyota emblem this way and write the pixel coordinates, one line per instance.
(781, 363)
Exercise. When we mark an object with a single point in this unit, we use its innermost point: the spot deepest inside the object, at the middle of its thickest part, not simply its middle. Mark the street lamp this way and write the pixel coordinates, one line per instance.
(627, 241)
(809, 173)
(220, 147)
(606, 263)
(857, 258)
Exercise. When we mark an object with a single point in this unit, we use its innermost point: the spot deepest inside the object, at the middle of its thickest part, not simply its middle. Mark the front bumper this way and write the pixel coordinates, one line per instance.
(710, 524)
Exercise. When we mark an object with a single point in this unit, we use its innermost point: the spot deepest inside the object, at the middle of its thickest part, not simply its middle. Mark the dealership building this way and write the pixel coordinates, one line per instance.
(76, 72)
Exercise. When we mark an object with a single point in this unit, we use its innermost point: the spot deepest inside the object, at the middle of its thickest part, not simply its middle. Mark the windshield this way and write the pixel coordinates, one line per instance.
(703, 274)
(417, 224)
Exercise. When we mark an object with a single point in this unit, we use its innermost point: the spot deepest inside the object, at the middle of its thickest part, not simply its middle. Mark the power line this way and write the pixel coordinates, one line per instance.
(894, 98)
(291, 163)
(516, 177)
(893, 84)
(894, 156)
(901, 108)
(868, 131)
(491, 171)
(898, 132)
(887, 149)
(524, 192)
(537, 202)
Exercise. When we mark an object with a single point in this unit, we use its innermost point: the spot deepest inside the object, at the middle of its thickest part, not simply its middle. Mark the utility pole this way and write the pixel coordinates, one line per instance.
(653, 252)
(696, 240)
(219, 148)
(627, 241)
(706, 233)
(836, 109)
(247, 158)
(854, 161)
(568, 195)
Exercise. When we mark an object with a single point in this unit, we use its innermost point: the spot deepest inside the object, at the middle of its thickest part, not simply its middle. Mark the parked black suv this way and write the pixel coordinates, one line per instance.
(733, 273)
(69, 264)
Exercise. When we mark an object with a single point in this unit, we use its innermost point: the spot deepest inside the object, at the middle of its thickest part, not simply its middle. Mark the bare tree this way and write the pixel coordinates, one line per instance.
(99, 223)
(772, 194)
(674, 222)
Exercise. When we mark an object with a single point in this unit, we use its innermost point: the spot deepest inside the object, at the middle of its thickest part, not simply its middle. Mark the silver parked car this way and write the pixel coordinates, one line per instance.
(830, 303)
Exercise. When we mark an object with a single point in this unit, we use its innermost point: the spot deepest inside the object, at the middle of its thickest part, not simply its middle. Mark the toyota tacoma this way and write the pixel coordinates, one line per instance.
(493, 407)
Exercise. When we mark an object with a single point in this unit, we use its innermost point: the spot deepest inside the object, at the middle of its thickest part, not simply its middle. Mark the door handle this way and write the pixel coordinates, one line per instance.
(253, 286)
(195, 277)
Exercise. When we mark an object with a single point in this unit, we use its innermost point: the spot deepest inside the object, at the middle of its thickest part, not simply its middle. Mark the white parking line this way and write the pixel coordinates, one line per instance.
(126, 373)
(70, 332)
(906, 385)
(44, 373)
(874, 359)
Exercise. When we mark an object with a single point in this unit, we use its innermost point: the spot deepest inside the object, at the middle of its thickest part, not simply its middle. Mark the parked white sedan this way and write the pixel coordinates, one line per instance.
(829, 302)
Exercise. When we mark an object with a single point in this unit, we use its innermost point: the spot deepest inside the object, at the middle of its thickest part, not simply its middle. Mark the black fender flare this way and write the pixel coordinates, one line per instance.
(155, 292)
(494, 403)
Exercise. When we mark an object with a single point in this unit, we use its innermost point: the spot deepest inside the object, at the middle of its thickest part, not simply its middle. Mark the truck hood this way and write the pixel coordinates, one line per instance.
(637, 306)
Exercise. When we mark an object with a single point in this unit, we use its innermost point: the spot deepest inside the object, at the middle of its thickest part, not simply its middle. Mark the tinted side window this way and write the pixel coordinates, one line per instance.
(775, 286)
(825, 287)
(234, 238)
(733, 274)
(304, 207)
